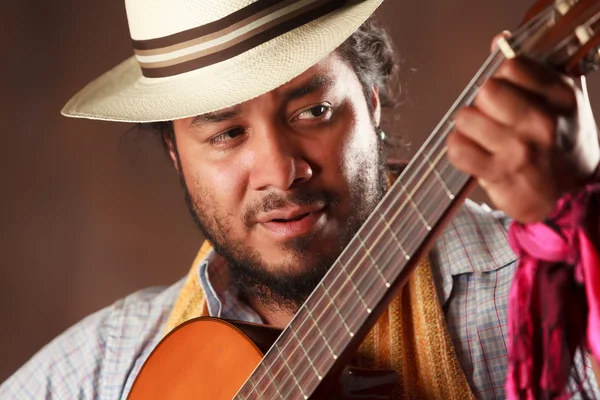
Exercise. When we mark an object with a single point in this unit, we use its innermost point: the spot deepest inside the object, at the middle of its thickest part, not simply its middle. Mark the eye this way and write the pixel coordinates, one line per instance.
(227, 136)
(320, 111)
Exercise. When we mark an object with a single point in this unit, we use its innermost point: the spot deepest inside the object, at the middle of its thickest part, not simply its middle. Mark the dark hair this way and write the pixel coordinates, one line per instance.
(371, 54)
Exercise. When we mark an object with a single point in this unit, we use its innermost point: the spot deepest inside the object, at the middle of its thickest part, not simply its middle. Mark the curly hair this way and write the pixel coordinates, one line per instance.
(372, 55)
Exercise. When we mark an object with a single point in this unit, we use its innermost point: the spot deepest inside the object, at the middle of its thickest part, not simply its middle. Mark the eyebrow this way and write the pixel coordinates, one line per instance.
(316, 83)
(217, 116)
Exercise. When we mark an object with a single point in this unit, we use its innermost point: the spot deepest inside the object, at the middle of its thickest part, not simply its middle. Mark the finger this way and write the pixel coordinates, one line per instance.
(501, 35)
(552, 87)
(470, 158)
(517, 109)
(486, 132)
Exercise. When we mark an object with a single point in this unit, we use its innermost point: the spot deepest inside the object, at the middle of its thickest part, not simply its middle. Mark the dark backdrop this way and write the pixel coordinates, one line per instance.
(89, 213)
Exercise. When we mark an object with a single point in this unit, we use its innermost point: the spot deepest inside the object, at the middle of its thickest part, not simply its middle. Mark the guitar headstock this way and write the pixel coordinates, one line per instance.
(562, 33)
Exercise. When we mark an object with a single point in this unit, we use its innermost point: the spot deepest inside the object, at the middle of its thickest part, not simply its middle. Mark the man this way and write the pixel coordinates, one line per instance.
(271, 115)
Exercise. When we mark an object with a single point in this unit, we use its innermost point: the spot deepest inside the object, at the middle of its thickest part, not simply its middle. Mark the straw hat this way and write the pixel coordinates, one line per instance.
(198, 56)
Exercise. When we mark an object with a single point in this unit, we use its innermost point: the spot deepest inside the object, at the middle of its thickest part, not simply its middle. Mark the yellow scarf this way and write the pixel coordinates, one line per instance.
(410, 337)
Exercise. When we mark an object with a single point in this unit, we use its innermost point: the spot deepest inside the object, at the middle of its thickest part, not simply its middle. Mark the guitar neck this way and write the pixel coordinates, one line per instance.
(331, 324)
(374, 265)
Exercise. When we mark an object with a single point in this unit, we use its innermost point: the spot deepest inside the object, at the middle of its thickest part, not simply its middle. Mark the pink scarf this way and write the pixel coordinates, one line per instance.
(554, 302)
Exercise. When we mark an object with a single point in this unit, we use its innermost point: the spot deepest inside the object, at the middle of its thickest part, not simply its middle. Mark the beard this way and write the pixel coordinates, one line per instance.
(284, 287)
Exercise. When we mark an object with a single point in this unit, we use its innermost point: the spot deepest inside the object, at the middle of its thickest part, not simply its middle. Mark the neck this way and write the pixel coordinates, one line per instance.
(270, 314)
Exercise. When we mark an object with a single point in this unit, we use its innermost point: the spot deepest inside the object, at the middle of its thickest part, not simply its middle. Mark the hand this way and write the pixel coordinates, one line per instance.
(529, 138)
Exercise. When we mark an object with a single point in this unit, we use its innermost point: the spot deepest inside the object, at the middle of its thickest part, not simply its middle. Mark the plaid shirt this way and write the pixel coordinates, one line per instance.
(472, 266)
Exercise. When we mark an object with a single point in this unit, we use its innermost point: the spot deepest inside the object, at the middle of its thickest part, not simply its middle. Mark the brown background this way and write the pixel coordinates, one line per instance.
(89, 213)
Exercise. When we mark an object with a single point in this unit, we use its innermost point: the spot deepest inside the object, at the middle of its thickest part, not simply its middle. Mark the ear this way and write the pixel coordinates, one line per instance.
(172, 150)
(376, 106)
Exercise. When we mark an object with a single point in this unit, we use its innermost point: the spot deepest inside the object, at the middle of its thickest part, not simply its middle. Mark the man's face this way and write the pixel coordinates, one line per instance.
(280, 183)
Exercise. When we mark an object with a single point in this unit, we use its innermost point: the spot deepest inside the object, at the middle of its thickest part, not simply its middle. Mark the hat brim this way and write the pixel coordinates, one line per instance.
(124, 94)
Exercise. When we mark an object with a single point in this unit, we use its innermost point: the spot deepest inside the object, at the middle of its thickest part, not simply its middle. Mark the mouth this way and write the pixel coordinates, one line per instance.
(295, 225)
(292, 219)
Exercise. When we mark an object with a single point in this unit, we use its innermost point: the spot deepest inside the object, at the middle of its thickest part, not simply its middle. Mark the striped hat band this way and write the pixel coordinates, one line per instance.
(227, 37)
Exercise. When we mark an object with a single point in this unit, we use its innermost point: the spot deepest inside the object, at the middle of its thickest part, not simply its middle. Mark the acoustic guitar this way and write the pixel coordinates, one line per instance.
(213, 359)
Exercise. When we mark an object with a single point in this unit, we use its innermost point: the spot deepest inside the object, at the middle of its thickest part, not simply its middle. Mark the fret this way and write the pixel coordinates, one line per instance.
(265, 381)
(308, 378)
(370, 247)
(313, 342)
(310, 361)
(337, 310)
(454, 179)
(391, 258)
(383, 278)
(445, 169)
(291, 373)
(414, 172)
(321, 332)
(433, 168)
(329, 311)
(273, 365)
(293, 357)
(435, 148)
(347, 278)
(393, 234)
(272, 387)
(339, 325)
(307, 375)
(370, 289)
(408, 227)
(433, 194)
(240, 395)
(415, 207)
(422, 184)
(250, 391)
(251, 380)
(399, 227)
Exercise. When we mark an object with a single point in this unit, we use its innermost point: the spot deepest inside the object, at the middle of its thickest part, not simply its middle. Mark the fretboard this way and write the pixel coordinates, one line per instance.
(353, 293)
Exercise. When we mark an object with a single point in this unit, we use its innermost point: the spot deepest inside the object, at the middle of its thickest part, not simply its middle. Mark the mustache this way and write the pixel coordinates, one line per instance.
(273, 201)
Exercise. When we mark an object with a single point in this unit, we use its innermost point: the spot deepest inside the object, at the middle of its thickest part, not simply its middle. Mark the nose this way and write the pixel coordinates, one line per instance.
(278, 161)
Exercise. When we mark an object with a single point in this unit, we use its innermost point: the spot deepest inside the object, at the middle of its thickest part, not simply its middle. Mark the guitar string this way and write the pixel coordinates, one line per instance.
(372, 280)
(311, 348)
(385, 258)
(569, 39)
(352, 307)
(315, 346)
(360, 264)
(416, 173)
(410, 230)
(404, 229)
(433, 166)
(389, 258)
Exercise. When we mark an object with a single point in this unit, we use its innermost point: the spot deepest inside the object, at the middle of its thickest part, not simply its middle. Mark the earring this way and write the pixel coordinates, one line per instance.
(381, 134)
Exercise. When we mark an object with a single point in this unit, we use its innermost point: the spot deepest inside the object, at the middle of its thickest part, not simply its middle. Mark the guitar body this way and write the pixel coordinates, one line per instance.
(210, 358)
(205, 358)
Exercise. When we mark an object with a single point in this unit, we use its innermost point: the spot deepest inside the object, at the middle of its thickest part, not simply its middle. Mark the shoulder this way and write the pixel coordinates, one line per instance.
(94, 358)
(476, 241)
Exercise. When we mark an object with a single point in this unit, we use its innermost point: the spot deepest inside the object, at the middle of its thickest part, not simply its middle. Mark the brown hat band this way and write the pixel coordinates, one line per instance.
(227, 37)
